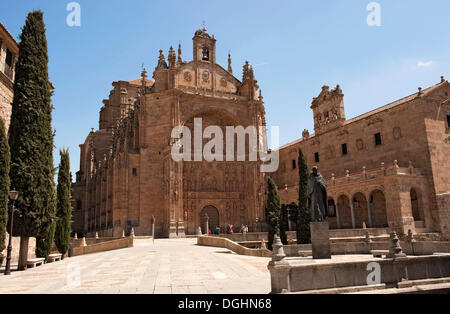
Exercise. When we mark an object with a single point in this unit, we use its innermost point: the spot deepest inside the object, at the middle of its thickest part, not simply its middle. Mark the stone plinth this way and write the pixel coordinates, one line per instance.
(320, 238)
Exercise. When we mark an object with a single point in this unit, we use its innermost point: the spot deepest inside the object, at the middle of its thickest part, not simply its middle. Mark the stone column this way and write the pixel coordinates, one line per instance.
(369, 210)
(206, 224)
(338, 217)
(353, 214)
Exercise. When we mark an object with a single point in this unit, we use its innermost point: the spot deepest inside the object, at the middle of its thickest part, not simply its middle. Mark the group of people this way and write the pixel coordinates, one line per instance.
(229, 230)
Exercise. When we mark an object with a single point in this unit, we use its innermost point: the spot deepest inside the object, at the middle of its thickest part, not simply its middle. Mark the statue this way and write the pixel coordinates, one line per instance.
(317, 196)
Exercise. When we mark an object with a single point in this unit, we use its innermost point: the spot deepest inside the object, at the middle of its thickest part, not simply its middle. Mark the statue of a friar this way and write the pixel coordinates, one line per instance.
(317, 196)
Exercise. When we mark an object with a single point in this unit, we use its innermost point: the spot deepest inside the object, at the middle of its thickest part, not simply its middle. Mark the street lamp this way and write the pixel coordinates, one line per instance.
(13, 195)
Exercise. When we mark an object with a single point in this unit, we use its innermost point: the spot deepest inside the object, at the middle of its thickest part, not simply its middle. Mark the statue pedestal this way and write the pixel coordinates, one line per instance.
(320, 238)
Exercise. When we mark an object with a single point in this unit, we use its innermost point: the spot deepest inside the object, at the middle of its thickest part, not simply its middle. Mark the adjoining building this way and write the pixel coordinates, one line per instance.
(9, 52)
(127, 175)
(387, 168)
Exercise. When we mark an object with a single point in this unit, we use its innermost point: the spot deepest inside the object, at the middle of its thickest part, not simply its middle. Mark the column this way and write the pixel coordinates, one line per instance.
(369, 213)
(353, 214)
(338, 217)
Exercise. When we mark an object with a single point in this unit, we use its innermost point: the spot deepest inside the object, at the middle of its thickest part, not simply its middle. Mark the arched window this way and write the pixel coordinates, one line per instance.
(205, 54)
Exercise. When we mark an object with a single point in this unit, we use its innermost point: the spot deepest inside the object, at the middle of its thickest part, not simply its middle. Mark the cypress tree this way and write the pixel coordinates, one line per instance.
(64, 206)
(4, 186)
(304, 216)
(31, 137)
(44, 244)
(273, 211)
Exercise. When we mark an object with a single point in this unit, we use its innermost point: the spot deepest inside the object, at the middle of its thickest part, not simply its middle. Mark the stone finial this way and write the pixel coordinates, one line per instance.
(161, 62)
(305, 134)
(230, 68)
(368, 239)
(410, 237)
(260, 97)
(263, 245)
(180, 58)
(420, 91)
(364, 225)
(75, 236)
(396, 166)
(347, 173)
(83, 242)
(172, 57)
(395, 250)
(442, 79)
(278, 251)
(123, 233)
(364, 172)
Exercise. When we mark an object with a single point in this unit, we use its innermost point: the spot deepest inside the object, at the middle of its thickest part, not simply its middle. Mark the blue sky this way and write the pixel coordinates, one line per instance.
(295, 46)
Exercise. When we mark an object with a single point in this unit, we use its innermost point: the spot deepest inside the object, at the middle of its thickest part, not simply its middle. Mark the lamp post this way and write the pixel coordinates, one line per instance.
(13, 195)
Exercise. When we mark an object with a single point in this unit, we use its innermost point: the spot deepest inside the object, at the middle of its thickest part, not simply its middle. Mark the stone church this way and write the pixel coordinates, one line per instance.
(386, 169)
(127, 175)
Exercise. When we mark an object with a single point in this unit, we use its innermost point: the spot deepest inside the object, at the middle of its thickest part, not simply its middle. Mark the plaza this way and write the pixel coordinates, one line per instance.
(175, 266)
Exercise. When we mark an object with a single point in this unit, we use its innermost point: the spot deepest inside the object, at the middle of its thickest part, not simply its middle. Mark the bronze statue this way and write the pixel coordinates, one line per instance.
(317, 196)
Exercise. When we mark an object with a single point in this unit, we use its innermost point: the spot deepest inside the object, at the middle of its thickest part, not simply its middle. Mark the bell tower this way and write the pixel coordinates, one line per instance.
(328, 109)
(204, 47)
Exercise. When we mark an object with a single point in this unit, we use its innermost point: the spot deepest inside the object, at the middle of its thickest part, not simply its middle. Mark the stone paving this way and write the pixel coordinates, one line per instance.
(176, 266)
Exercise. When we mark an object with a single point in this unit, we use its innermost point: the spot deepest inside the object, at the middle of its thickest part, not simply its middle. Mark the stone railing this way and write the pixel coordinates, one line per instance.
(104, 246)
(376, 173)
(232, 246)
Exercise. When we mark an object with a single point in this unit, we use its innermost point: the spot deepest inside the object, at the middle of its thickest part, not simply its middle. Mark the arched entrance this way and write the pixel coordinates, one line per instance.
(361, 211)
(213, 215)
(415, 206)
(345, 213)
(378, 208)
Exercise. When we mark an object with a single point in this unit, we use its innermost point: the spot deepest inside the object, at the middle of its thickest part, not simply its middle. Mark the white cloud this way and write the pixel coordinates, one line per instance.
(422, 64)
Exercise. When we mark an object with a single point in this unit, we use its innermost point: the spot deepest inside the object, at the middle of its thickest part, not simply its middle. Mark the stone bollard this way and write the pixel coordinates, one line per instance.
(278, 252)
(132, 233)
(83, 242)
(368, 239)
(410, 239)
(263, 245)
(395, 250)
(96, 235)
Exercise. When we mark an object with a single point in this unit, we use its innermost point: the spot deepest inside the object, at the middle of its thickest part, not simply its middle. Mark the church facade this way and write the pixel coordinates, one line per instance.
(127, 174)
(388, 168)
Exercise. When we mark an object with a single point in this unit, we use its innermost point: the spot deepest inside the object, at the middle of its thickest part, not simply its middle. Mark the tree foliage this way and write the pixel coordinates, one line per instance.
(64, 206)
(304, 216)
(273, 211)
(4, 186)
(44, 244)
(31, 135)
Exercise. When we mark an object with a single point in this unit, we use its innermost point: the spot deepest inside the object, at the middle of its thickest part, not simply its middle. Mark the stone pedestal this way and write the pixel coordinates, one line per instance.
(180, 232)
(173, 230)
(320, 238)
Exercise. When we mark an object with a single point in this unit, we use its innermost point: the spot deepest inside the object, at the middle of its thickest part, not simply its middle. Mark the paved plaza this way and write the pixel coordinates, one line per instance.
(167, 267)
